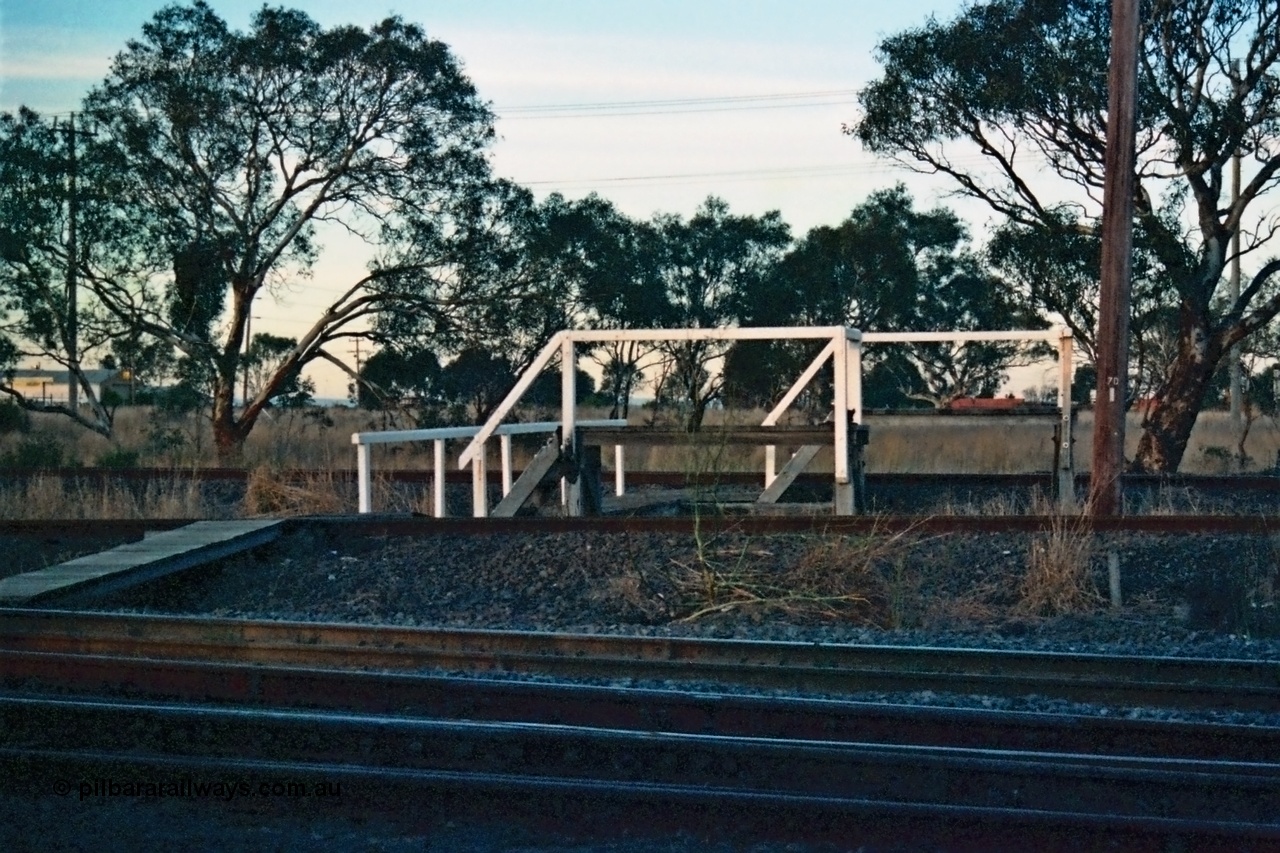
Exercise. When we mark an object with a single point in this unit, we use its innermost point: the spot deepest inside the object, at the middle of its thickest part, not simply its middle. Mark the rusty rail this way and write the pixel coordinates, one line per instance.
(833, 668)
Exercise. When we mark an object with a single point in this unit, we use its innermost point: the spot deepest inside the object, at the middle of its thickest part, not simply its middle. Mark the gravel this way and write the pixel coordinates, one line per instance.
(1183, 595)
(1192, 594)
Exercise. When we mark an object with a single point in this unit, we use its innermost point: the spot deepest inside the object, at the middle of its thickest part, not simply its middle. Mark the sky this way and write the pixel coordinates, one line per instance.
(654, 104)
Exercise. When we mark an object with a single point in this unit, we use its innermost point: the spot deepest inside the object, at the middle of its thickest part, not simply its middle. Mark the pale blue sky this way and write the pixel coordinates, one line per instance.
(521, 54)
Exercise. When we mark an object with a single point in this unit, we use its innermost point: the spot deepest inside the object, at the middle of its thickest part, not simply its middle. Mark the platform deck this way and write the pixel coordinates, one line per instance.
(157, 555)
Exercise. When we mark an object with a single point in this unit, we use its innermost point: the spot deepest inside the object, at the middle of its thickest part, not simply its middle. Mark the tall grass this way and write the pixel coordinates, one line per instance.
(960, 445)
(1057, 580)
(44, 497)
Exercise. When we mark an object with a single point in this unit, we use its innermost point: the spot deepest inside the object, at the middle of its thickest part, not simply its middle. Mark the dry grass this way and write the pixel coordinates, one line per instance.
(290, 439)
(1037, 501)
(287, 440)
(42, 497)
(837, 578)
(978, 605)
(268, 494)
(923, 445)
(1057, 581)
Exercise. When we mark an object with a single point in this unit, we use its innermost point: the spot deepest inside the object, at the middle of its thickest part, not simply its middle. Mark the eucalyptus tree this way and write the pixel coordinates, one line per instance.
(1057, 267)
(395, 379)
(707, 266)
(543, 266)
(888, 267)
(240, 145)
(262, 362)
(621, 287)
(1008, 101)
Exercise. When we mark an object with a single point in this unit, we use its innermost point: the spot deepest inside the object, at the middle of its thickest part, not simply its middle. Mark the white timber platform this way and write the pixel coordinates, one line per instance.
(157, 555)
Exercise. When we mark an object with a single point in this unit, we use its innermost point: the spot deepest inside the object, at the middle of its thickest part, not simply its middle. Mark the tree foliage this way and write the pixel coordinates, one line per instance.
(391, 378)
(230, 149)
(1006, 101)
(707, 266)
(37, 262)
(886, 268)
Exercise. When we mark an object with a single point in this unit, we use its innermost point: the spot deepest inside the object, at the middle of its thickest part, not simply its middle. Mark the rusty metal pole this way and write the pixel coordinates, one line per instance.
(1105, 492)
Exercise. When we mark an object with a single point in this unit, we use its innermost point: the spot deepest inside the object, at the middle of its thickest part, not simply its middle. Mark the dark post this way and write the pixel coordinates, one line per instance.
(1105, 494)
(73, 320)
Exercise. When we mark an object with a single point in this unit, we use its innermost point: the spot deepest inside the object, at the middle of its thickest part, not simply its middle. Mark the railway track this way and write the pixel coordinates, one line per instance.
(1199, 482)
(1061, 792)
(372, 526)
(892, 771)
(367, 706)
(643, 709)
(836, 669)
(90, 696)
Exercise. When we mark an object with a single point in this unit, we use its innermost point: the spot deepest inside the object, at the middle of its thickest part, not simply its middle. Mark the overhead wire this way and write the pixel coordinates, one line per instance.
(693, 106)
(680, 106)
(833, 170)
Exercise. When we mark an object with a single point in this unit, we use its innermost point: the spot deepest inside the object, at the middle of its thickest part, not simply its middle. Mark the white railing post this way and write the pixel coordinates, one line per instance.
(619, 471)
(843, 485)
(853, 418)
(855, 381)
(504, 450)
(480, 483)
(364, 477)
(439, 506)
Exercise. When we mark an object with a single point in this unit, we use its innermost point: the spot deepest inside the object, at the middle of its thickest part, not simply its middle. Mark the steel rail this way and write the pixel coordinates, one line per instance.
(638, 810)
(452, 697)
(827, 668)
(1208, 482)
(764, 525)
(1225, 799)
(368, 526)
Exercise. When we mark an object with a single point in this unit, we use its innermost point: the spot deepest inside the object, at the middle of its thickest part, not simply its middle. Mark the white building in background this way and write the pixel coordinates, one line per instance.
(53, 386)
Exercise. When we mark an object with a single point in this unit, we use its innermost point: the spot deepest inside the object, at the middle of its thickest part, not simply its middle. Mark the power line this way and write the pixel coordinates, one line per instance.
(721, 99)
(630, 113)
(679, 106)
(834, 170)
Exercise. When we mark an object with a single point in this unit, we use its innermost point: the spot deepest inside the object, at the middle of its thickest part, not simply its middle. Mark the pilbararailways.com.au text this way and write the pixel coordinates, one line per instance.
(191, 788)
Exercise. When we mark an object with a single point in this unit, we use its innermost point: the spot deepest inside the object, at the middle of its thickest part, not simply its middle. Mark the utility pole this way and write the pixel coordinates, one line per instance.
(355, 385)
(248, 340)
(1105, 491)
(73, 320)
(1237, 381)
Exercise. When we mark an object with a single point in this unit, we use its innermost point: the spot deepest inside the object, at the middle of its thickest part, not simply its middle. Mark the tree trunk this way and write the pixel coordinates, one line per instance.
(1167, 427)
(697, 410)
(228, 433)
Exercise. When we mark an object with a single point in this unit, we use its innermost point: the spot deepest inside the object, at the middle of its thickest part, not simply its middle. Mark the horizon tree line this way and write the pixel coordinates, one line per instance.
(215, 154)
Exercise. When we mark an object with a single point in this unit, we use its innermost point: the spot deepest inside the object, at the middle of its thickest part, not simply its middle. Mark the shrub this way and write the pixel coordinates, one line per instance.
(13, 418)
(118, 457)
(35, 452)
